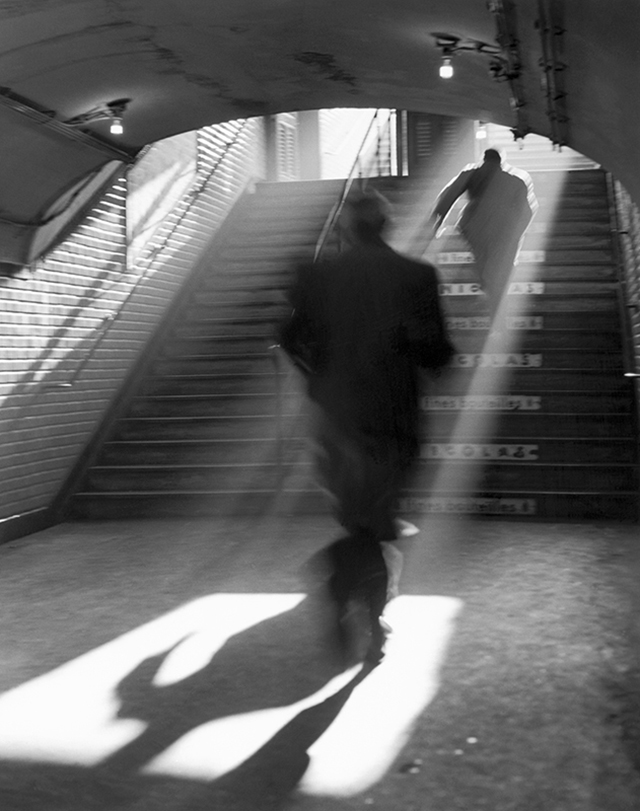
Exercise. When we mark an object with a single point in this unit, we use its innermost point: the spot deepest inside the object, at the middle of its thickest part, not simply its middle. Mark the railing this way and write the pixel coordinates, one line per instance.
(625, 223)
(369, 154)
(186, 203)
(625, 226)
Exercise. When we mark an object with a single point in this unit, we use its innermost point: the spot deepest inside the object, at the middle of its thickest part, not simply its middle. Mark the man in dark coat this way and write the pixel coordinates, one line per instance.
(500, 206)
(362, 325)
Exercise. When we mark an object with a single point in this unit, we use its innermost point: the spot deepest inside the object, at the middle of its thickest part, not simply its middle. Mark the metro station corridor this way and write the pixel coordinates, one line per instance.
(166, 640)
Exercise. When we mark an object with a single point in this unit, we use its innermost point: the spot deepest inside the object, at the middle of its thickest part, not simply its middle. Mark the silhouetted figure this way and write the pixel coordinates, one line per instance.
(501, 204)
(362, 325)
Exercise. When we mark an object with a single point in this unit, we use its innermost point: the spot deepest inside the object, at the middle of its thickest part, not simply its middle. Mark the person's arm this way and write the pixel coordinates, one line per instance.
(425, 331)
(295, 333)
(448, 196)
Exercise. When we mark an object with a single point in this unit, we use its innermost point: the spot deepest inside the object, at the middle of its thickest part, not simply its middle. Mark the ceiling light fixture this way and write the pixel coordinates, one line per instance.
(450, 44)
(112, 110)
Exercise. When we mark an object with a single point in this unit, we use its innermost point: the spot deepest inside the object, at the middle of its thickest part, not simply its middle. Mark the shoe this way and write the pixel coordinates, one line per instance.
(375, 653)
(405, 529)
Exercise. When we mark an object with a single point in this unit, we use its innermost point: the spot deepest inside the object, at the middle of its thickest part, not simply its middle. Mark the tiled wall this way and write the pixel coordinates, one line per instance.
(72, 326)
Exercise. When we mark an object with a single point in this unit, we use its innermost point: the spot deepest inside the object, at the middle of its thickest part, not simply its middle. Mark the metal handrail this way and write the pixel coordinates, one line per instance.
(336, 210)
(187, 201)
(624, 305)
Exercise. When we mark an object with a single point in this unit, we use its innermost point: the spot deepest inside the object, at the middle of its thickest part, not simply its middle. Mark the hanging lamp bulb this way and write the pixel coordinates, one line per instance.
(116, 127)
(446, 68)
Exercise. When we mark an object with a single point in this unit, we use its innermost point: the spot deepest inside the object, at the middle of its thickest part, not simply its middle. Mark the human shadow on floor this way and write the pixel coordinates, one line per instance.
(274, 664)
(264, 781)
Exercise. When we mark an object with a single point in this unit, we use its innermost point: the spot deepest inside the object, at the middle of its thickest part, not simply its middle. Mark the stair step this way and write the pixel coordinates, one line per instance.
(167, 504)
(492, 476)
(544, 450)
(226, 383)
(523, 505)
(226, 427)
(515, 505)
(183, 478)
(214, 364)
(517, 381)
(195, 451)
(619, 400)
(460, 274)
(531, 425)
(574, 359)
(202, 345)
(517, 424)
(543, 340)
(296, 449)
(516, 305)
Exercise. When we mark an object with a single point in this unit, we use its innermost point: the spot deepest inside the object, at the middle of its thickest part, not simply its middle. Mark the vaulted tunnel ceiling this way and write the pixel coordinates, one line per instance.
(569, 70)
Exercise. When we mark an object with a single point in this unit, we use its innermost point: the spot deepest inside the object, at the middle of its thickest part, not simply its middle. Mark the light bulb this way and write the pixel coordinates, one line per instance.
(446, 68)
(116, 127)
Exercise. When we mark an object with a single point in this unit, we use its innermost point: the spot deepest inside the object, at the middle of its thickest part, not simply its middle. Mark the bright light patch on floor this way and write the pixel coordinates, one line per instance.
(69, 714)
(220, 746)
(362, 743)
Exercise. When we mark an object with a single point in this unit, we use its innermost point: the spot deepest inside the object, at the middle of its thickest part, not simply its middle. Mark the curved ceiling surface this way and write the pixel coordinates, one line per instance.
(185, 64)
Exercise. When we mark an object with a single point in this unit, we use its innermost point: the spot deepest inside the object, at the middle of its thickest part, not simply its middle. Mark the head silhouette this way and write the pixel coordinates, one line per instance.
(365, 216)
(493, 156)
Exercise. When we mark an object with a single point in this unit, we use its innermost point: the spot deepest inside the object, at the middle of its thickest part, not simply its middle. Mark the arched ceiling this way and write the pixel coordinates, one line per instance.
(185, 64)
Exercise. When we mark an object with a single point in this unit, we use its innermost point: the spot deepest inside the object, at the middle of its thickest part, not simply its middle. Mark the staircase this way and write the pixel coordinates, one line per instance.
(557, 440)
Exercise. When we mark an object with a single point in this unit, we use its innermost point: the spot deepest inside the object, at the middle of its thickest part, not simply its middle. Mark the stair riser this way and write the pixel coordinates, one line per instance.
(548, 451)
(528, 506)
(550, 274)
(163, 505)
(558, 322)
(549, 242)
(551, 257)
(230, 364)
(460, 476)
(520, 362)
(216, 406)
(545, 507)
(603, 306)
(620, 401)
(527, 381)
(542, 341)
(233, 479)
(265, 311)
(218, 345)
(528, 425)
(231, 385)
(550, 359)
(516, 426)
(519, 506)
(293, 402)
(223, 428)
(486, 478)
(464, 341)
(183, 452)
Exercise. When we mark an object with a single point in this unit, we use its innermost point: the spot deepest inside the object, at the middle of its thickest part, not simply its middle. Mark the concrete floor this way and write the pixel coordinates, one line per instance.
(186, 664)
